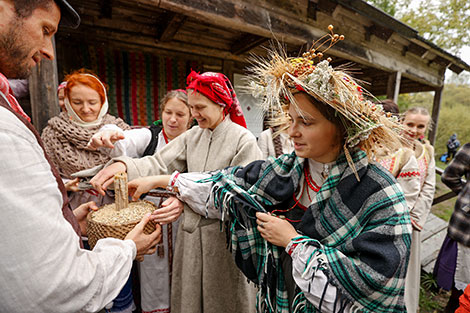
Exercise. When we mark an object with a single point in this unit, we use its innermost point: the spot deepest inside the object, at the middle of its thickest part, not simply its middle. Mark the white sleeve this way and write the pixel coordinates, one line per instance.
(311, 279)
(195, 194)
(264, 142)
(109, 127)
(43, 268)
(134, 143)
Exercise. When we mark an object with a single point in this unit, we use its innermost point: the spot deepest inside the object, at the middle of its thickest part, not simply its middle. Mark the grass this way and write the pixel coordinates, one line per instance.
(431, 298)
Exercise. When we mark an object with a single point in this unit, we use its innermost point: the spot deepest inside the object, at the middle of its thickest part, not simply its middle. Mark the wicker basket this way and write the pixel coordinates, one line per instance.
(98, 230)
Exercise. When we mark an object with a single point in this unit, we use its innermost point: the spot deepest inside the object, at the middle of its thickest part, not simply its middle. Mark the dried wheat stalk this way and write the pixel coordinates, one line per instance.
(120, 189)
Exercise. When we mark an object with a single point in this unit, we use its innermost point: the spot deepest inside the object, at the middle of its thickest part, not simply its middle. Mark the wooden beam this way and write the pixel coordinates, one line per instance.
(380, 32)
(246, 43)
(436, 107)
(167, 30)
(246, 17)
(43, 92)
(393, 86)
(350, 15)
(312, 8)
(106, 8)
(236, 17)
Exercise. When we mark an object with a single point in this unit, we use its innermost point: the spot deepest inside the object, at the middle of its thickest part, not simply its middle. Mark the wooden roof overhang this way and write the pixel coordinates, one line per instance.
(389, 56)
(227, 31)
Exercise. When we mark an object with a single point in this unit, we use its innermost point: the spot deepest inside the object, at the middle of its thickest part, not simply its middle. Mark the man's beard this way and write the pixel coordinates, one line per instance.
(14, 62)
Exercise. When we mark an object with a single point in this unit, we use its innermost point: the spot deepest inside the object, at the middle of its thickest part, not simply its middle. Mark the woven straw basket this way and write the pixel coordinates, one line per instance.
(99, 230)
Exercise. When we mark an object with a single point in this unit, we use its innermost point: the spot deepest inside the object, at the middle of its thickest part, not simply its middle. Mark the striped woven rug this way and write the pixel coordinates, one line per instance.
(136, 81)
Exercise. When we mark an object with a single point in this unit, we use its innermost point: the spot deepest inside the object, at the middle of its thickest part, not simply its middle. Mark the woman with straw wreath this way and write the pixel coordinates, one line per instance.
(323, 229)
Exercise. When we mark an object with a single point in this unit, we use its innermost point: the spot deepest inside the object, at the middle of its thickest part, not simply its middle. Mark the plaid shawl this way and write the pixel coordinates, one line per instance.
(459, 224)
(363, 228)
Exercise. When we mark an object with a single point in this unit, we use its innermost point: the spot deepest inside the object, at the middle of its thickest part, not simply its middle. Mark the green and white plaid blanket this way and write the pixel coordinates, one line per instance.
(362, 227)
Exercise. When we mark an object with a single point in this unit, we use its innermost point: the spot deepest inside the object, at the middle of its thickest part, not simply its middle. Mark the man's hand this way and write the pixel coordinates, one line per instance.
(105, 138)
(146, 244)
(169, 212)
(277, 231)
(81, 212)
(105, 177)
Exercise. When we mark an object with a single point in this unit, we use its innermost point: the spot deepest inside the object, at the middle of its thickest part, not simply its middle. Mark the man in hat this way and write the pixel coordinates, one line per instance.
(43, 268)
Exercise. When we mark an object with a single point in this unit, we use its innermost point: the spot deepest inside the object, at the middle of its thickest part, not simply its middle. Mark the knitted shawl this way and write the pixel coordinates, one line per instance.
(66, 142)
(362, 227)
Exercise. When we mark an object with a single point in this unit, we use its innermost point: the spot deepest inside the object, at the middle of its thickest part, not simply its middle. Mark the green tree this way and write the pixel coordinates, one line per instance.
(444, 22)
(388, 6)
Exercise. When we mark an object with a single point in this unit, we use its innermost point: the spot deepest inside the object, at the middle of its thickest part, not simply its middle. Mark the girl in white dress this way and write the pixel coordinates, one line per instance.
(155, 270)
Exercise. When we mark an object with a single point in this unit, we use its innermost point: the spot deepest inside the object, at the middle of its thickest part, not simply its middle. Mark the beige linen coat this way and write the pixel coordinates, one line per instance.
(205, 277)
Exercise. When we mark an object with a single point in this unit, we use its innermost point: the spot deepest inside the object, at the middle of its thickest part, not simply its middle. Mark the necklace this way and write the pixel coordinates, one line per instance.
(308, 178)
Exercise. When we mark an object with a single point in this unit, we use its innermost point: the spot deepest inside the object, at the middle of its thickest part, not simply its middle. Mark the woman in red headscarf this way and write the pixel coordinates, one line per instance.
(205, 277)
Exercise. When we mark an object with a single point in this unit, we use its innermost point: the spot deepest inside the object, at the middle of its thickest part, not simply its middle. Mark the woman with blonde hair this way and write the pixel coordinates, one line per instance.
(155, 270)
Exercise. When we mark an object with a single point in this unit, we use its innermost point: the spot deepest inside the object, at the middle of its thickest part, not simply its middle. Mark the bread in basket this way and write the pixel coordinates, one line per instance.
(116, 220)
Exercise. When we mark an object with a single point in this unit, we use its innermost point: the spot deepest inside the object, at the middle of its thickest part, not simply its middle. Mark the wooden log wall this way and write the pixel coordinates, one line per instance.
(220, 34)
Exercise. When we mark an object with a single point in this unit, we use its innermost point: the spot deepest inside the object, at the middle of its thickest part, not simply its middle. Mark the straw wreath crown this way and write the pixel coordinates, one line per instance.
(277, 78)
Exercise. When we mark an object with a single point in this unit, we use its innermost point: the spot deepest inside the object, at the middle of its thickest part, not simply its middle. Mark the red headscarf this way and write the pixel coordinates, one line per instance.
(217, 88)
(6, 90)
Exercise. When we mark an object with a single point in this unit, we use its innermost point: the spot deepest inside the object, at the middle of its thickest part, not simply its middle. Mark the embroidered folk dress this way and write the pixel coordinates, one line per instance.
(154, 271)
(404, 167)
(323, 275)
(424, 154)
(205, 278)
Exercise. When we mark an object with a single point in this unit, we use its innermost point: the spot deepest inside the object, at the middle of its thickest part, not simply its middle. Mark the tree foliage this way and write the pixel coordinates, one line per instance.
(443, 22)
(388, 6)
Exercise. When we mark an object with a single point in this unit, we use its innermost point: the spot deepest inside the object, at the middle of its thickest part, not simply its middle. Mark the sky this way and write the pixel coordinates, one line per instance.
(465, 55)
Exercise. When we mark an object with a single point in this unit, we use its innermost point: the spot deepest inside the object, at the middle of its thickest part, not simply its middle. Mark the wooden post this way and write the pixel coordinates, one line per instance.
(393, 86)
(227, 69)
(120, 188)
(436, 107)
(43, 92)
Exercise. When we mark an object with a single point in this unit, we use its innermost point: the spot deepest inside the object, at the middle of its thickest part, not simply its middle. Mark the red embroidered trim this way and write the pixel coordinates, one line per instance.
(292, 248)
(173, 180)
(409, 174)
